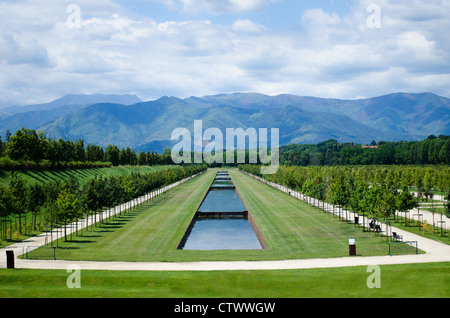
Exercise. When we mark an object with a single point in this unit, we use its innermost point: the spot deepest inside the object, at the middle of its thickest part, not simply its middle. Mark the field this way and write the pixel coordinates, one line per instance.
(291, 229)
(82, 175)
(46, 176)
(399, 281)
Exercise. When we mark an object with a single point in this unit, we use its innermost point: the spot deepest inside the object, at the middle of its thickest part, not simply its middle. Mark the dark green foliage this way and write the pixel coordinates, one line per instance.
(331, 152)
(28, 149)
(26, 144)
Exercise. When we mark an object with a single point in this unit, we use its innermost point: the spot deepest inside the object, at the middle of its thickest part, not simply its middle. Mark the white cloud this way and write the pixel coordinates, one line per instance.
(115, 52)
(247, 26)
(415, 41)
(318, 16)
(222, 6)
(15, 49)
(215, 7)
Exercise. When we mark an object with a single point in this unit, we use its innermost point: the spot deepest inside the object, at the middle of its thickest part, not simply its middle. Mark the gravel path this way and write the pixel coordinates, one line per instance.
(436, 252)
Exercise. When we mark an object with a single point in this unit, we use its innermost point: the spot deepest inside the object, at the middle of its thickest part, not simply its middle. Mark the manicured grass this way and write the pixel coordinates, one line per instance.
(436, 234)
(291, 229)
(150, 232)
(82, 175)
(397, 281)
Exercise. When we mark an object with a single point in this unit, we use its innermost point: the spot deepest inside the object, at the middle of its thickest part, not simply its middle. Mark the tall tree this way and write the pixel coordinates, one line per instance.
(94, 153)
(66, 208)
(6, 207)
(35, 198)
(447, 204)
(79, 154)
(406, 201)
(339, 192)
(26, 144)
(19, 189)
(112, 154)
(444, 152)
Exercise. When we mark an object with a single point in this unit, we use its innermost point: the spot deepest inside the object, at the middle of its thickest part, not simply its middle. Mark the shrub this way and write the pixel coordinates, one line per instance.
(427, 228)
(16, 236)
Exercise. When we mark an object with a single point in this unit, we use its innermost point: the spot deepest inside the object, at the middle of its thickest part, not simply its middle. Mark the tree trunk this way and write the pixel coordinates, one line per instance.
(20, 224)
(51, 233)
(385, 221)
(65, 230)
(432, 209)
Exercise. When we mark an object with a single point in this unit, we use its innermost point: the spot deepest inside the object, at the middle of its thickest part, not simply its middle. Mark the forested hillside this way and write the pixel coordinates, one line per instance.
(306, 120)
(434, 150)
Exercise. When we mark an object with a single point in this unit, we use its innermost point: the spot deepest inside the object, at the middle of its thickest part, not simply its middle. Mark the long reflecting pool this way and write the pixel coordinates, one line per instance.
(222, 234)
(222, 200)
(222, 221)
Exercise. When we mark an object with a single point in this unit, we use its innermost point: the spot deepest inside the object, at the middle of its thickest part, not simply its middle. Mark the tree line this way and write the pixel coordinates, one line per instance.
(374, 191)
(62, 202)
(433, 150)
(30, 149)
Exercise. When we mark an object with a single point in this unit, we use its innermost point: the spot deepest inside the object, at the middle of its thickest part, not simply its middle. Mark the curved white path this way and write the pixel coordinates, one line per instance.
(435, 252)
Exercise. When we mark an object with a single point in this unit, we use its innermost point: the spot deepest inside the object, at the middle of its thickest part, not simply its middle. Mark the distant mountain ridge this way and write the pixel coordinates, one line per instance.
(73, 99)
(35, 116)
(149, 125)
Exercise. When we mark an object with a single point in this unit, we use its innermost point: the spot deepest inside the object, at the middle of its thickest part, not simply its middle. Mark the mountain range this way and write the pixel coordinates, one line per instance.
(126, 121)
(34, 116)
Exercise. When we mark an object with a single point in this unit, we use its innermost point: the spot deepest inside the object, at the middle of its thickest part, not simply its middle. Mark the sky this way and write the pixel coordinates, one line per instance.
(347, 49)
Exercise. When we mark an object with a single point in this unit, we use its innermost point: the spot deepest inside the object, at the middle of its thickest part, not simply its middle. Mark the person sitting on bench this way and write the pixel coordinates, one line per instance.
(375, 226)
(378, 228)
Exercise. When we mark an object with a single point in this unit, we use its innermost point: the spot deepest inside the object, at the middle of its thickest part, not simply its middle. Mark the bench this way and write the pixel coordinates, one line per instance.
(377, 228)
(397, 237)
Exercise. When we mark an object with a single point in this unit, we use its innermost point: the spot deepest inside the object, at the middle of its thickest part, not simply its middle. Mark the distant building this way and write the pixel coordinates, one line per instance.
(369, 147)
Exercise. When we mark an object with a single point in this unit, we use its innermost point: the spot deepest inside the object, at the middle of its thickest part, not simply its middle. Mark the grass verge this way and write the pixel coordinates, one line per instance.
(397, 281)
(291, 229)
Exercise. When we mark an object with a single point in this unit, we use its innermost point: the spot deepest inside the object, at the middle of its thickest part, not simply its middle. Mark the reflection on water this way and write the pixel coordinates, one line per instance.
(221, 223)
(222, 234)
(222, 181)
(222, 201)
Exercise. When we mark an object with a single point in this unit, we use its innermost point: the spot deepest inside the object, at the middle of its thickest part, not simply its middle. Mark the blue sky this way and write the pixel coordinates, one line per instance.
(276, 15)
(153, 48)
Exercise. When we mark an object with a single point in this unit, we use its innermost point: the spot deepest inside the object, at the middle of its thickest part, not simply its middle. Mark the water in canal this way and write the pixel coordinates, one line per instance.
(221, 221)
(222, 201)
(222, 234)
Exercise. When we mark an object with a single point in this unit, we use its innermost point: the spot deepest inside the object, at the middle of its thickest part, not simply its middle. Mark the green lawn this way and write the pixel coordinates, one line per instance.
(82, 175)
(292, 229)
(436, 234)
(150, 232)
(397, 281)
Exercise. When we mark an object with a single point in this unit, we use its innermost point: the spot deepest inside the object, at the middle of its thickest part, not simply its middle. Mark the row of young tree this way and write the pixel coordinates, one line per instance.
(30, 149)
(433, 150)
(375, 191)
(62, 202)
